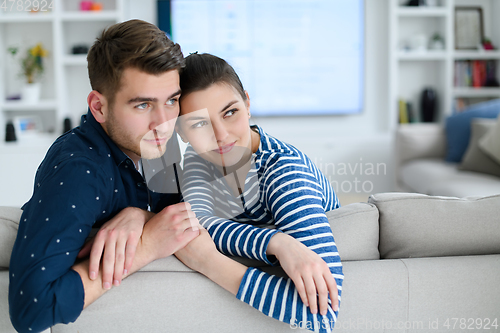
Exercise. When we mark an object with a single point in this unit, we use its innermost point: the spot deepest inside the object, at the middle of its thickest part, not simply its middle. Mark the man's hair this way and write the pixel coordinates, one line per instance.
(136, 44)
(203, 70)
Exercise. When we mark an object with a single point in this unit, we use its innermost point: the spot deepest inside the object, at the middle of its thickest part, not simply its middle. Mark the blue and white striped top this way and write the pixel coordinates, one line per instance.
(285, 189)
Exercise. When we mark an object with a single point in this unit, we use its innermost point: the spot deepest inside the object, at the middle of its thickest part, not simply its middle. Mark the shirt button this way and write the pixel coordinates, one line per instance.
(139, 184)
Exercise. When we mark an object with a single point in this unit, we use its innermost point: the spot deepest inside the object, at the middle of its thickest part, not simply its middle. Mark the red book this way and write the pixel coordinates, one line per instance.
(476, 74)
(482, 72)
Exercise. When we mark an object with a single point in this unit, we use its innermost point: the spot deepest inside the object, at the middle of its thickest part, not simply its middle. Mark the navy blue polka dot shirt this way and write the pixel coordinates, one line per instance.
(84, 180)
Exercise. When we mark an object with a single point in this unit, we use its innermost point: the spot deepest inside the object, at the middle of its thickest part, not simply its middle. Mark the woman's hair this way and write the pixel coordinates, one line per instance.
(203, 70)
(136, 44)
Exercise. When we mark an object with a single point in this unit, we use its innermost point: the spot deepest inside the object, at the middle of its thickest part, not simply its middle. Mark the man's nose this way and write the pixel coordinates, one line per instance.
(159, 120)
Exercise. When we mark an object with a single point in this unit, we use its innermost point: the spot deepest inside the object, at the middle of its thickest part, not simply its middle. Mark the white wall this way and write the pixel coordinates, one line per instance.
(355, 152)
(344, 147)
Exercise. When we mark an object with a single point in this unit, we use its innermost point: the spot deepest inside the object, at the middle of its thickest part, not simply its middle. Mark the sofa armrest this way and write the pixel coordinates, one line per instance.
(9, 223)
(416, 141)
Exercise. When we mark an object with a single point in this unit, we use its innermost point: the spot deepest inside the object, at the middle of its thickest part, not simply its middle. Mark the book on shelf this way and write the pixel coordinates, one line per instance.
(475, 73)
(407, 112)
(403, 112)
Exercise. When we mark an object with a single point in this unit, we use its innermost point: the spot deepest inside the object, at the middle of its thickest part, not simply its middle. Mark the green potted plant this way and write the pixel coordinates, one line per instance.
(31, 69)
(436, 42)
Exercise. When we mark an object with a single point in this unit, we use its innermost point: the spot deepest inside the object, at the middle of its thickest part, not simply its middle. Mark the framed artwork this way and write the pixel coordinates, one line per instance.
(469, 32)
(27, 126)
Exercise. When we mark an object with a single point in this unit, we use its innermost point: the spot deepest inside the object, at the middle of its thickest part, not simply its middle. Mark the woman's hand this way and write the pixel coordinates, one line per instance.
(116, 243)
(308, 271)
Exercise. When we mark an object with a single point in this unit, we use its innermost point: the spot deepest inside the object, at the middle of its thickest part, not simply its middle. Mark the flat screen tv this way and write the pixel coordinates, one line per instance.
(294, 57)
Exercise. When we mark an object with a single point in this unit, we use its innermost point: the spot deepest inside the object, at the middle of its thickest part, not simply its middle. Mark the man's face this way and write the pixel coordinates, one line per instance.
(143, 116)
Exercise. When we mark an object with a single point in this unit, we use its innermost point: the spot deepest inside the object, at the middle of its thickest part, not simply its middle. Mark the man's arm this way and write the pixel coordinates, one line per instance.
(43, 289)
(165, 233)
(116, 242)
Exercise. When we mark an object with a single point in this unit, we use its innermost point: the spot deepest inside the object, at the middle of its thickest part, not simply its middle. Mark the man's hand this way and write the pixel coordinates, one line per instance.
(116, 243)
(164, 233)
(170, 230)
(308, 271)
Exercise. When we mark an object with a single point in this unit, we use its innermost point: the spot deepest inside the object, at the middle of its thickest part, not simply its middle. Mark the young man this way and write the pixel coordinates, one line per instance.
(91, 177)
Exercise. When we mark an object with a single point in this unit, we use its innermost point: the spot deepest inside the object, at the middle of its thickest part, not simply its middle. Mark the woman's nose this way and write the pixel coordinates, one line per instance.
(220, 132)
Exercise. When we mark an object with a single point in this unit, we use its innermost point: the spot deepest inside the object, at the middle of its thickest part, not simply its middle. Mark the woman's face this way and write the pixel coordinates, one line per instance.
(215, 122)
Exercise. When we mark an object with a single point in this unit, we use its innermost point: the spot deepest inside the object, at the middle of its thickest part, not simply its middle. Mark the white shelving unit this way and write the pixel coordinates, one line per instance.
(410, 72)
(65, 83)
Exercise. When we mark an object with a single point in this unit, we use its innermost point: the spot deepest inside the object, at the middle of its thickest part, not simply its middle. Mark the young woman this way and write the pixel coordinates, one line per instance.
(238, 179)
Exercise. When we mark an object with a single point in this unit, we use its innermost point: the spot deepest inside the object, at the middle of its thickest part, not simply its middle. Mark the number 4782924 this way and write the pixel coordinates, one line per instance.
(27, 5)
(471, 323)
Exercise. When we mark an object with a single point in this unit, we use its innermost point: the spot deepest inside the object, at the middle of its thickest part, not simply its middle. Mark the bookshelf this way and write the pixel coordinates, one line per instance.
(65, 83)
(413, 69)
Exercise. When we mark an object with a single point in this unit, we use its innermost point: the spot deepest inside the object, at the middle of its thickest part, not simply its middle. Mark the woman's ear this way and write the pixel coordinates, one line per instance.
(247, 103)
(98, 106)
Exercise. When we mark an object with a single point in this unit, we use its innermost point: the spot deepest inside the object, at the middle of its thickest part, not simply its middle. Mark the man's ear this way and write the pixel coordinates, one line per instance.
(98, 105)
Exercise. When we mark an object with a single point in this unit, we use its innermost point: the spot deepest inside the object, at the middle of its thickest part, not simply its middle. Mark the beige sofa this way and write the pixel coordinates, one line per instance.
(421, 166)
(412, 263)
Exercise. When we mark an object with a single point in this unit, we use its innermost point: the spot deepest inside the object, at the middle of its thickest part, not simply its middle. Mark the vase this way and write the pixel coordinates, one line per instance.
(31, 92)
(428, 105)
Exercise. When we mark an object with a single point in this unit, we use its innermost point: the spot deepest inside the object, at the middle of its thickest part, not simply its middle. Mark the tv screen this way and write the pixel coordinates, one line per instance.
(294, 57)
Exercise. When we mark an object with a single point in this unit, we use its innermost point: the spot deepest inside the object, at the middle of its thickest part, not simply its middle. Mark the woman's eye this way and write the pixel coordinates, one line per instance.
(142, 106)
(229, 113)
(172, 101)
(200, 124)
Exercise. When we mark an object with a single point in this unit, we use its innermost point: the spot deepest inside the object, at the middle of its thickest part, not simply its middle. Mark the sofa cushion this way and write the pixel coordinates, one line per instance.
(9, 222)
(475, 159)
(490, 143)
(437, 177)
(356, 232)
(438, 288)
(417, 225)
(458, 127)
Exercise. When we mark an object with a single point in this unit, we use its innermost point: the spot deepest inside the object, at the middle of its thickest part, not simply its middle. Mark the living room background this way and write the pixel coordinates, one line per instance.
(356, 152)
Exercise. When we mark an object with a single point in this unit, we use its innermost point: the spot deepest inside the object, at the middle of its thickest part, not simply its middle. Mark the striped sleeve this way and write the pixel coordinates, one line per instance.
(297, 200)
(278, 298)
(231, 238)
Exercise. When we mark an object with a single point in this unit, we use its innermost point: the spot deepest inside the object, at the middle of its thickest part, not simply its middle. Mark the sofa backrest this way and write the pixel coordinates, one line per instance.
(9, 222)
(356, 231)
(389, 226)
(417, 225)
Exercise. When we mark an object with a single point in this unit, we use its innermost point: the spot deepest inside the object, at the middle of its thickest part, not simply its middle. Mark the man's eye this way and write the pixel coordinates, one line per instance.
(200, 124)
(172, 101)
(142, 106)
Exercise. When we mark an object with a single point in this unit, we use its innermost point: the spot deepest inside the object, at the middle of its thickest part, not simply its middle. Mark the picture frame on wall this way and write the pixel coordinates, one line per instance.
(469, 32)
(27, 127)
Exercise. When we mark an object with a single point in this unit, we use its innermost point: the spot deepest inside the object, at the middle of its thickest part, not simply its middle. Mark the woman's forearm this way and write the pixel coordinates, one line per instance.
(224, 271)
